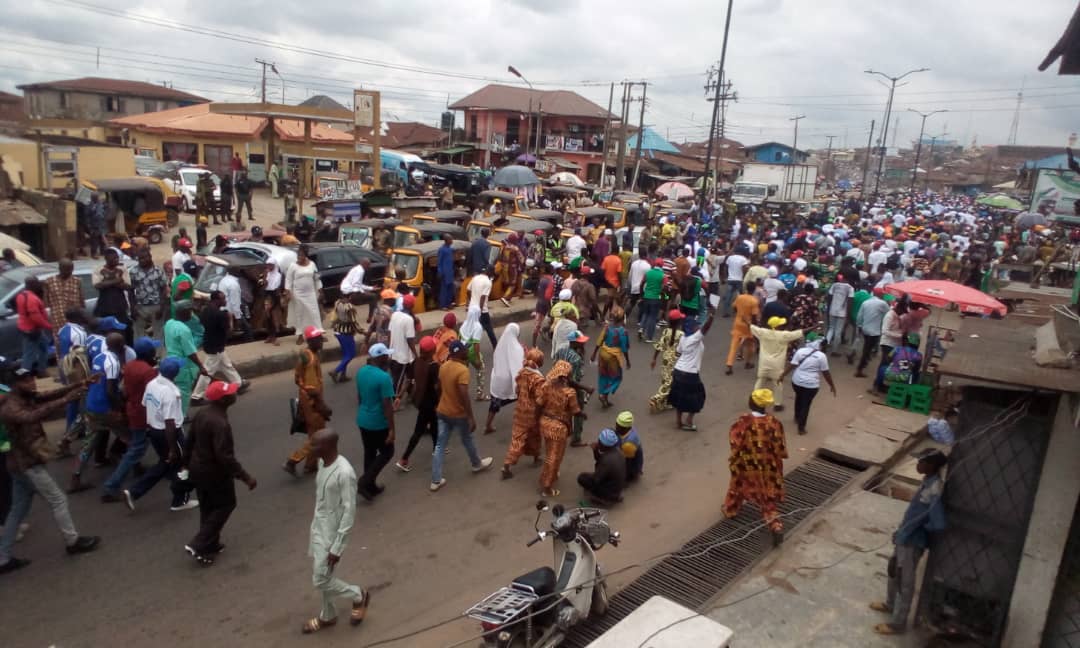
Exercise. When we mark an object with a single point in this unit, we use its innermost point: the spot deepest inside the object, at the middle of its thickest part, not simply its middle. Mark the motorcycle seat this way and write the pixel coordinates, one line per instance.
(541, 581)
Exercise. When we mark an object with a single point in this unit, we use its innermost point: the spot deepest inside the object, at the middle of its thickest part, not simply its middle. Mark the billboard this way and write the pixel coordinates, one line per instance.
(364, 108)
(1058, 190)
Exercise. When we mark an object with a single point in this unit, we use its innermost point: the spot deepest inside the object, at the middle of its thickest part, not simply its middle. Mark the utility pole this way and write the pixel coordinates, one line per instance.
(539, 125)
(885, 122)
(266, 64)
(794, 156)
(918, 147)
(716, 102)
(828, 160)
(620, 162)
(725, 96)
(933, 140)
(607, 135)
(1015, 126)
(640, 136)
(866, 162)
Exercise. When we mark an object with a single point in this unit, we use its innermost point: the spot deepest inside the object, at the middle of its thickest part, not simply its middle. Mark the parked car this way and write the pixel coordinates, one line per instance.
(183, 180)
(23, 255)
(146, 165)
(13, 282)
(334, 260)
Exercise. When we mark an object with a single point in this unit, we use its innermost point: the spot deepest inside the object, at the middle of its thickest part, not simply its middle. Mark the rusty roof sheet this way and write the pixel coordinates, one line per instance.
(198, 120)
(552, 102)
(99, 85)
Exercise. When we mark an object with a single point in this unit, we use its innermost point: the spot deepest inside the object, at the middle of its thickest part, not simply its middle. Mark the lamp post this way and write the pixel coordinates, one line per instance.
(888, 116)
(513, 70)
(918, 147)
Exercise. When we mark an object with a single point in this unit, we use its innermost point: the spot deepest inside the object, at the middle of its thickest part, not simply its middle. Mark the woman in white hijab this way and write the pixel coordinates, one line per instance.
(509, 358)
(470, 333)
(560, 334)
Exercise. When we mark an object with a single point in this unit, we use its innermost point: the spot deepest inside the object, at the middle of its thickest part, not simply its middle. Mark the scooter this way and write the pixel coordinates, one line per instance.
(538, 608)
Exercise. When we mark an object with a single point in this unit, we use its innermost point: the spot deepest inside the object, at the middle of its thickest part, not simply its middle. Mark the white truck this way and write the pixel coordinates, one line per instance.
(774, 183)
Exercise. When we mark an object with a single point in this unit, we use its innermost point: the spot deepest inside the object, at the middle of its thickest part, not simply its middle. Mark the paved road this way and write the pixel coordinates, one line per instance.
(426, 556)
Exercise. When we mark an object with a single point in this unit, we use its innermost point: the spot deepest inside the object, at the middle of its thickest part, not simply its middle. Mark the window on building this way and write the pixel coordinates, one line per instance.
(513, 132)
(183, 151)
(473, 127)
(63, 100)
(778, 156)
(217, 157)
(149, 106)
(114, 104)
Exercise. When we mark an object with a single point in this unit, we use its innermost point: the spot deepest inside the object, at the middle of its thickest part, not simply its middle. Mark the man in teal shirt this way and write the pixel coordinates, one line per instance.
(857, 300)
(651, 292)
(375, 417)
(180, 343)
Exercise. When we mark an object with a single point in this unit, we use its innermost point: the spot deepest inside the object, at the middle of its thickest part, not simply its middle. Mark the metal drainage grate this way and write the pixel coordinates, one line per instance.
(701, 570)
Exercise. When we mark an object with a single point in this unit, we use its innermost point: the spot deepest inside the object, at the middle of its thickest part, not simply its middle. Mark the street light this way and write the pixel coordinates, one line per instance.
(918, 147)
(513, 70)
(888, 116)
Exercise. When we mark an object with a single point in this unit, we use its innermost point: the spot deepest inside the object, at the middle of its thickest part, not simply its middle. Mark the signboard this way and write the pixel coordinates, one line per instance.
(364, 109)
(573, 144)
(1057, 189)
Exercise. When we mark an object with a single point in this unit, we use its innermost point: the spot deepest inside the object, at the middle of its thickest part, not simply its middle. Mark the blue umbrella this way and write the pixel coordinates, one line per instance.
(515, 175)
(526, 158)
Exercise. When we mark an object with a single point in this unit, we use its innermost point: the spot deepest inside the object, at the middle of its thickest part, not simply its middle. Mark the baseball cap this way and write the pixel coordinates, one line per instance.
(170, 366)
(219, 389)
(378, 350)
(456, 346)
(388, 293)
(313, 332)
(578, 336)
(608, 438)
(565, 294)
(427, 344)
(675, 314)
(146, 346)
(184, 243)
(183, 285)
(110, 323)
(408, 301)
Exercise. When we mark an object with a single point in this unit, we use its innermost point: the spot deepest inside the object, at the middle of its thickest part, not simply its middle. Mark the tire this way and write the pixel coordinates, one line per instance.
(155, 237)
(184, 207)
(172, 218)
(600, 598)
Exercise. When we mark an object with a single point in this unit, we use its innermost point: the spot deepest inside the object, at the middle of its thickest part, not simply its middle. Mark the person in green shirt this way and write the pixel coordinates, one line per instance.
(690, 300)
(651, 293)
(180, 343)
(860, 296)
(375, 417)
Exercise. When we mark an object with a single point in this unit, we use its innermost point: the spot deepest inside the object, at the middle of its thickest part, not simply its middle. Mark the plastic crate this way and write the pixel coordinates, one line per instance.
(897, 395)
(921, 398)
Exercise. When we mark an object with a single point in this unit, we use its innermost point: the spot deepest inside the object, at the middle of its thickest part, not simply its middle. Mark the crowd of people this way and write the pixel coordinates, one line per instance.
(801, 291)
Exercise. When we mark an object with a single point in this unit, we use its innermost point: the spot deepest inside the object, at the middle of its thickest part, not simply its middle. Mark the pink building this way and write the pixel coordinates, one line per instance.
(503, 121)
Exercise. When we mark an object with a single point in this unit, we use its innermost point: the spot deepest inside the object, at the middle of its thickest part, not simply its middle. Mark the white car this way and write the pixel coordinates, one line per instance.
(182, 181)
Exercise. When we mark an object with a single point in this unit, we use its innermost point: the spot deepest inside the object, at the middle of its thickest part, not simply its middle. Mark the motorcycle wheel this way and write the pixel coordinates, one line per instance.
(600, 599)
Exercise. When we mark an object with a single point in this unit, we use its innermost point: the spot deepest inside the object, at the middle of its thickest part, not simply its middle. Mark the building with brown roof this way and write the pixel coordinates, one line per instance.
(412, 135)
(503, 121)
(81, 107)
(11, 107)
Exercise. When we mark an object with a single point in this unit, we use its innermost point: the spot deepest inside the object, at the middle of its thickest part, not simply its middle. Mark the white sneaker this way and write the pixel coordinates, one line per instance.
(485, 463)
(437, 485)
(402, 467)
(186, 506)
(129, 500)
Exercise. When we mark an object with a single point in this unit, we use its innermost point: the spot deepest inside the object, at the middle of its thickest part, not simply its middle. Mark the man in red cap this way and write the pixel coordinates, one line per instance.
(312, 407)
(181, 256)
(212, 467)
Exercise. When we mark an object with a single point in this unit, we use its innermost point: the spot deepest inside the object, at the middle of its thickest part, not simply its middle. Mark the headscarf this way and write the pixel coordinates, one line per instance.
(509, 358)
(762, 397)
(560, 334)
(273, 275)
(471, 329)
(561, 369)
(534, 357)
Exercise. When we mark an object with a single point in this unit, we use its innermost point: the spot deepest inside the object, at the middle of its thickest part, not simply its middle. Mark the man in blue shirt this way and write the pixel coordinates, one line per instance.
(478, 254)
(925, 514)
(104, 408)
(445, 270)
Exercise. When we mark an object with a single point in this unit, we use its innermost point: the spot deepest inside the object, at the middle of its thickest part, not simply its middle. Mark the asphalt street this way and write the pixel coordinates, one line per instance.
(426, 556)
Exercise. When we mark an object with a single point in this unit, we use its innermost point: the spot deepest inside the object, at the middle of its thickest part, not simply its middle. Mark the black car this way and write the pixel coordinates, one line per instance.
(334, 260)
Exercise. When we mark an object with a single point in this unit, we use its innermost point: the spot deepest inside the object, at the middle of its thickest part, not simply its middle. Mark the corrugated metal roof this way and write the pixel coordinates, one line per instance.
(652, 141)
(552, 102)
(101, 85)
(198, 120)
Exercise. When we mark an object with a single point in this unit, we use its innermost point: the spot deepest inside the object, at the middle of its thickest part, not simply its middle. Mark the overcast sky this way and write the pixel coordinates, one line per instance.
(785, 57)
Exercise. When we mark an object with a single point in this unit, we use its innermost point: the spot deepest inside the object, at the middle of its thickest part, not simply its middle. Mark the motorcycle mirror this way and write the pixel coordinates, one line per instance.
(558, 510)
(542, 505)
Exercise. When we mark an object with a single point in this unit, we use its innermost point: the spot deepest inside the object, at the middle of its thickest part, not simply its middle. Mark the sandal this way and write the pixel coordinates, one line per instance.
(359, 609)
(314, 624)
(554, 492)
(506, 473)
(203, 560)
(879, 606)
(688, 427)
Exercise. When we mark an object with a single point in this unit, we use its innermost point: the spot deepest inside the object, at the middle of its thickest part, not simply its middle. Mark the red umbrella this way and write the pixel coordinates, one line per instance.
(944, 293)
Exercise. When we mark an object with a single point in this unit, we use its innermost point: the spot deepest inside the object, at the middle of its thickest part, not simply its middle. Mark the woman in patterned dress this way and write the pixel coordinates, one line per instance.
(666, 348)
(558, 405)
(758, 450)
(525, 432)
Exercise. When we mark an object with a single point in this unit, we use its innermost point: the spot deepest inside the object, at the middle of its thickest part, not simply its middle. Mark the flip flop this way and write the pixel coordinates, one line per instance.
(314, 624)
(887, 629)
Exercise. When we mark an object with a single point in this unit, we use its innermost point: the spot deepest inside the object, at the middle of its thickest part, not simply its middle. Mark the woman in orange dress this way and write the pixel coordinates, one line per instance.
(558, 405)
(525, 433)
(758, 450)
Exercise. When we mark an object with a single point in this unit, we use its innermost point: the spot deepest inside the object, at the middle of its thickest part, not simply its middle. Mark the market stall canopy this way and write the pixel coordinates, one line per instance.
(935, 292)
(1011, 184)
(1000, 201)
(566, 178)
(515, 176)
(675, 190)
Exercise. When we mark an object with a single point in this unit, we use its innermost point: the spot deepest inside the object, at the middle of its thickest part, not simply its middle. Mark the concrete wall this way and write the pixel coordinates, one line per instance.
(154, 141)
(60, 227)
(57, 104)
(21, 157)
(105, 162)
(1048, 531)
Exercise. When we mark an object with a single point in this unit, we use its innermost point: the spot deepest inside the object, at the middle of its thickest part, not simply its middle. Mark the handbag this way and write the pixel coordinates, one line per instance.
(297, 425)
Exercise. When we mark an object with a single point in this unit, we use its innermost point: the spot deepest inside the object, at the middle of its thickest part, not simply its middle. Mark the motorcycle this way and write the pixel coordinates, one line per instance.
(537, 609)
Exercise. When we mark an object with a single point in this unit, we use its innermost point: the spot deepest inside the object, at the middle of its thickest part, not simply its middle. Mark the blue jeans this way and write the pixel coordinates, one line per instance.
(734, 290)
(162, 469)
(135, 451)
(348, 351)
(35, 350)
(23, 487)
(650, 314)
(446, 428)
(446, 294)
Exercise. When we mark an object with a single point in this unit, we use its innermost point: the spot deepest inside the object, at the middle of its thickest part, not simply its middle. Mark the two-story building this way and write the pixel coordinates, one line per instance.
(503, 121)
(775, 153)
(82, 107)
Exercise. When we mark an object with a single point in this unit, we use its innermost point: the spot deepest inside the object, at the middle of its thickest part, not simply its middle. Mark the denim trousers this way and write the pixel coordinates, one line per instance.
(650, 315)
(23, 487)
(447, 426)
(35, 350)
(162, 469)
(734, 290)
(135, 451)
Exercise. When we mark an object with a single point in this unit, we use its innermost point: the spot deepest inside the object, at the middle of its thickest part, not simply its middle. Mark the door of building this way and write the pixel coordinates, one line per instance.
(217, 157)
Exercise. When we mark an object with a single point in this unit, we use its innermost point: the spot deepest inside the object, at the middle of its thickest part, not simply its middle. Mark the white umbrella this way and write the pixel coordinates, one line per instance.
(566, 178)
